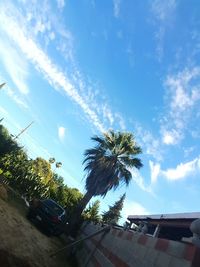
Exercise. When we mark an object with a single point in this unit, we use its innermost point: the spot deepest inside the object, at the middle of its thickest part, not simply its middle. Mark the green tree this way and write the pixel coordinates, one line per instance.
(43, 168)
(92, 212)
(72, 197)
(108, 165)
(7, 144)
(114, 213)
(52, 160)
(22, 175)
(57, 164)
(64, 195)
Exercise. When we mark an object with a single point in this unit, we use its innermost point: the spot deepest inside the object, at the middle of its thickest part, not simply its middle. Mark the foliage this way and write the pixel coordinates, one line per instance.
(108, 165)
(7, 144)
(43, 168)
(92, 212)
(52, 160)
(72, 198)
(22, 175)
(113, 214)
(34, 177)
(64, 195)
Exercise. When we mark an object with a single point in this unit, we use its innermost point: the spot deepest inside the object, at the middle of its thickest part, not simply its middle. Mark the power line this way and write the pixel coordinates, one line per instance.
(23, 130)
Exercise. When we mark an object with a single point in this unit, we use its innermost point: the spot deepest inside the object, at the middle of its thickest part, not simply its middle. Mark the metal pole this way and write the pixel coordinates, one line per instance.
(94, 250)
(107, 228)
(1, 85)
(23, 130)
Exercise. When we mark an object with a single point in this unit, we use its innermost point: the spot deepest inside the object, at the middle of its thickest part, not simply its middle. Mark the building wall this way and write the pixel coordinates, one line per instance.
(119, 248)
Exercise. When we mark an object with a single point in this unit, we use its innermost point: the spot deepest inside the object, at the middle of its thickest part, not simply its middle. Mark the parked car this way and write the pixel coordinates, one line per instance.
(48, 214)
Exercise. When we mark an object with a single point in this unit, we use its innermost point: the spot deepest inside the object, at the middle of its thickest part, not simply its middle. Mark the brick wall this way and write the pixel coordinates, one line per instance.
(127, 249)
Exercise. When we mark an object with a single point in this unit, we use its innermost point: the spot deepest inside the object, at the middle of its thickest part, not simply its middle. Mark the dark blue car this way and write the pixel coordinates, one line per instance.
(48, 214)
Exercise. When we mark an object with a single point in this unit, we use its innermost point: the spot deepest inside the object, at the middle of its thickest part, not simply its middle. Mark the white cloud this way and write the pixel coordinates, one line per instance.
(61, 133)
(43, 63)
(91, 92)
(182, 170)
(188, 151)
(133, 208)
(162, 10)
(163, 14)
(155, 171)
(19, 100)
(107, 114)
(116, 4)
(139, 180)
(120, 121)
(61, 4)
(149, 143)
(159, 36)
(171, 137)
(14, 64)
(183, 97)
(183, 94)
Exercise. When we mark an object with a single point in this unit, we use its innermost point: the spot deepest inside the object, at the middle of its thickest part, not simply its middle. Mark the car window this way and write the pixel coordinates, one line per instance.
(54, 207)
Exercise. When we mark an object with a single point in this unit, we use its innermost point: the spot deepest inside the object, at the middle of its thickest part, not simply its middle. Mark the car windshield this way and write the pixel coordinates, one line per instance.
(54, 207)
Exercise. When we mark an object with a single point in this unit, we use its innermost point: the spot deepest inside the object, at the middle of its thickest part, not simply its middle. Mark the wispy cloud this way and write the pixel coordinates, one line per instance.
(182, 98)
(171, 137)
(116, 6)
(36, 25)
(139, 180)
(60, 4)
(91, 92)
(44, 64)
(163, 10)
(155, 171)
(163, 13)
(14, 64)
(61, 133)
(133, 208)
(150, 144)
(182, 170)
(18, 99)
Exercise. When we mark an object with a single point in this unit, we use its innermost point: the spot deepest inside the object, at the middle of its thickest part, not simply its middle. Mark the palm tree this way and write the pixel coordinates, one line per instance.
(108, 165)
(58, 164)
(52, 160)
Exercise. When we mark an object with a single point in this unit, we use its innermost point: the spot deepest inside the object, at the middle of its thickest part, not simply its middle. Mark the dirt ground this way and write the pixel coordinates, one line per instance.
(22, 244)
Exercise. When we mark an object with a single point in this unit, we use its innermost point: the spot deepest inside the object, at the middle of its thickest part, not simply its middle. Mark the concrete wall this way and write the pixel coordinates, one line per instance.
(126, 249)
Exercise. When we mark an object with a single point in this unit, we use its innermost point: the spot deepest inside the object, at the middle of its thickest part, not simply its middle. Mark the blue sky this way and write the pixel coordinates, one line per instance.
(78, 68)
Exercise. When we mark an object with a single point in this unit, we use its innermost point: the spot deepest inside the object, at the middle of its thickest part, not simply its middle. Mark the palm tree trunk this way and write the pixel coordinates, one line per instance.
(76, 220)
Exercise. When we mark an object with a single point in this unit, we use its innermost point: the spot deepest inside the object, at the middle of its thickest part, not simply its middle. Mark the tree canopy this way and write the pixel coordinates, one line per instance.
(7, 144)
(34, 178)
(114, 213)
(108, 164)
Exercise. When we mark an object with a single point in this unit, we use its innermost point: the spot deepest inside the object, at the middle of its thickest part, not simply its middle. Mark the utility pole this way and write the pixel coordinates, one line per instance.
(1, 85)
(23, 130)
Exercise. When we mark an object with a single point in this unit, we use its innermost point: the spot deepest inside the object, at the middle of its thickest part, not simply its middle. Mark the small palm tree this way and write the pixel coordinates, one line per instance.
(52, 160)
(109, 165)
(58, 164)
